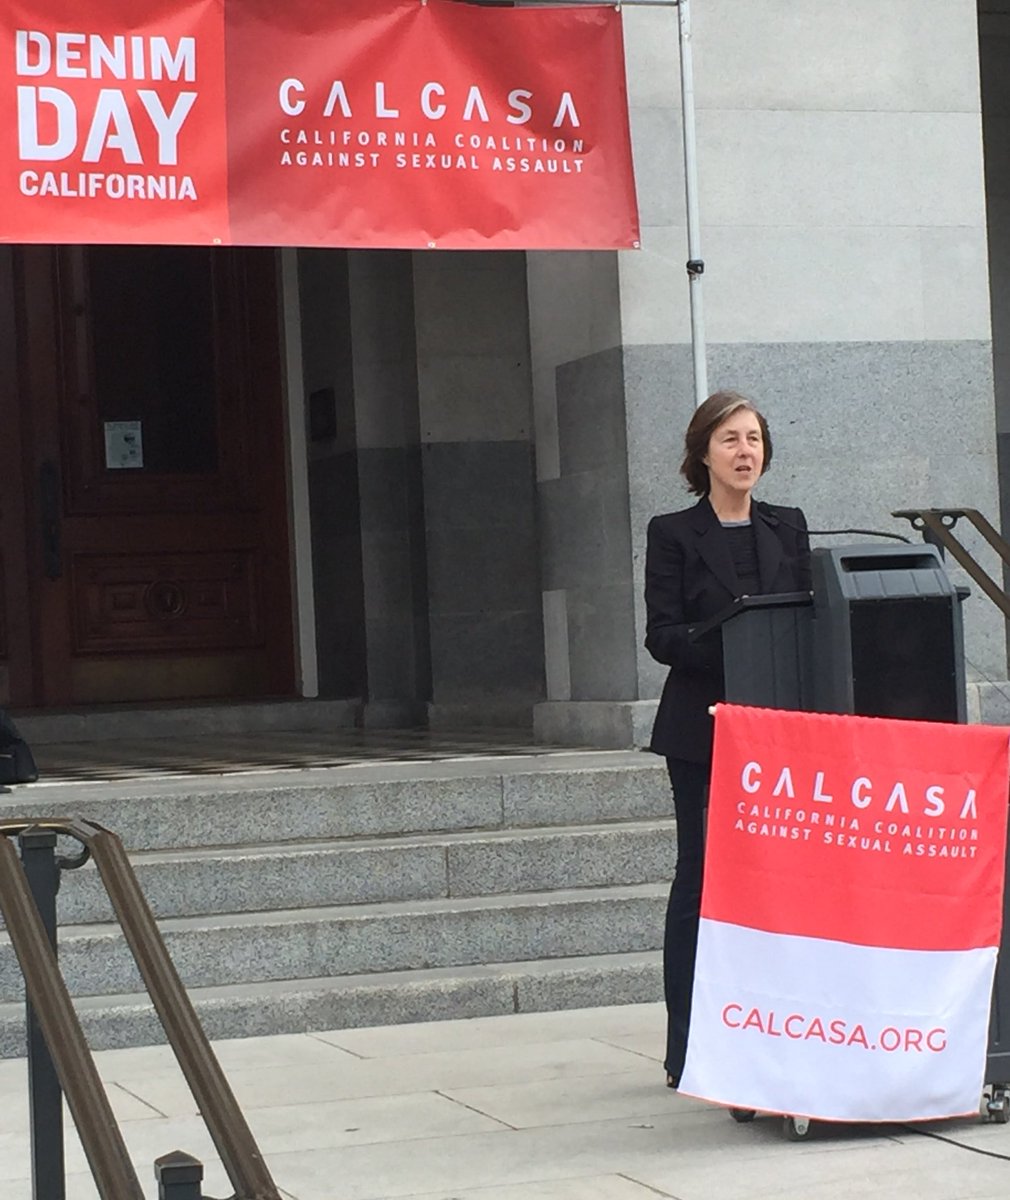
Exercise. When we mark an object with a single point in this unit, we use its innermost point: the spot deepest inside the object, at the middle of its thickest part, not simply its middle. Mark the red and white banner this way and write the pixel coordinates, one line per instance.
(850, 916)
(393, 123)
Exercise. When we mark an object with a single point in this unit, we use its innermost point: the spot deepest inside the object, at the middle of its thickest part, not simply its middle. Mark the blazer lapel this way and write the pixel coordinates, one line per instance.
(768, 545)
(713, 547)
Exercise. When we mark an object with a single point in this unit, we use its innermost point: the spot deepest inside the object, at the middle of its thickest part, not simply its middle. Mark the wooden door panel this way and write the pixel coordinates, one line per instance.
(154, 435)
(197, 445)
(17, 614)
(5, 680)
(126, 604)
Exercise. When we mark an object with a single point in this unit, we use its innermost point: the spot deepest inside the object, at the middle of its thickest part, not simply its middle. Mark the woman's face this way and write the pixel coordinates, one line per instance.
(736, 453)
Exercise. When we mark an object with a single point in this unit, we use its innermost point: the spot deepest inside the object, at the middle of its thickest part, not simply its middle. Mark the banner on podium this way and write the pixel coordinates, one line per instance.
(850, 917)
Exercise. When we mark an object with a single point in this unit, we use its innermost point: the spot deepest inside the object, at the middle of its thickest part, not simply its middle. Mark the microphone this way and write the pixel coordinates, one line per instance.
(898, 537)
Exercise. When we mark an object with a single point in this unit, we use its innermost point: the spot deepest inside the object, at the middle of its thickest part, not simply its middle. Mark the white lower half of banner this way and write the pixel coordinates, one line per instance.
(834, 1031)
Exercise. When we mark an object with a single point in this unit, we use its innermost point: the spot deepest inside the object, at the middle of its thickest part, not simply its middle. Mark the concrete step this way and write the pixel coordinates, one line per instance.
(251, 948)
(367, 800)
(370, 891)
(370, 871)
(354, 1001)
(100, 723)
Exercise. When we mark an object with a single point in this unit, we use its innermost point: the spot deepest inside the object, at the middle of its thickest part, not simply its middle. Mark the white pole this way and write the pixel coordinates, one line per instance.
(695, 265)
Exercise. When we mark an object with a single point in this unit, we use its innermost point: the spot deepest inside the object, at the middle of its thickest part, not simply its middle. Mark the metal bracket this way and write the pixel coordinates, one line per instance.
(936, 526)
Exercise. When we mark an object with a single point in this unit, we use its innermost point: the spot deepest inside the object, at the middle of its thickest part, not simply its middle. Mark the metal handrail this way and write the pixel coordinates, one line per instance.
(936, 526)
(103, 1144)
(214, 1098)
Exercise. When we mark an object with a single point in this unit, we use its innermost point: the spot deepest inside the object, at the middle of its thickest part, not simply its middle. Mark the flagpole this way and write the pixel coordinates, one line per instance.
(695, 263)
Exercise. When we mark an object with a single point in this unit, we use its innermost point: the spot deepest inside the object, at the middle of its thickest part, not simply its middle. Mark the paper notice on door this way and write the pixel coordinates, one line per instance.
(124, 445)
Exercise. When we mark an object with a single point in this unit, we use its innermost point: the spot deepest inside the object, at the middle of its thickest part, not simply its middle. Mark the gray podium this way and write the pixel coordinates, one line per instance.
(768, 653)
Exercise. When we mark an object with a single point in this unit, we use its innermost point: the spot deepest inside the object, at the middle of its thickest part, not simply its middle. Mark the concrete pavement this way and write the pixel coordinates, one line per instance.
(544, 1106)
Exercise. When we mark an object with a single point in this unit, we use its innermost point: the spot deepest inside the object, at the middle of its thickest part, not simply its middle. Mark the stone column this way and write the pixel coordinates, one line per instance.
(473, 378)
(365, 481)
(393, 552)
(332, 473)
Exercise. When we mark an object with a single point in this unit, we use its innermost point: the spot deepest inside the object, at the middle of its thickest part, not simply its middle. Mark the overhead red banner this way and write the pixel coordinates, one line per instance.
(851, 915)
(381, 123)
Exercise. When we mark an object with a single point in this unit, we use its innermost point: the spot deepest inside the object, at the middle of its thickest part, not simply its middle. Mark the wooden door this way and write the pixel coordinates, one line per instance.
(151, 457)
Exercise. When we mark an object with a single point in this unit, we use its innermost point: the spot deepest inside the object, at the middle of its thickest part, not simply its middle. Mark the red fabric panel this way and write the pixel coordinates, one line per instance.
(857, 829)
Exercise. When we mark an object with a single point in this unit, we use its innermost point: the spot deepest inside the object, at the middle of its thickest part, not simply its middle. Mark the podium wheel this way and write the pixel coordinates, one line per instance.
(796, 1128)
(742, 1115)
(998, 1105)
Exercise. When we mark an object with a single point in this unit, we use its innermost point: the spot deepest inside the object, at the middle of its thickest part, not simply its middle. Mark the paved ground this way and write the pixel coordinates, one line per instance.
(551, 1106)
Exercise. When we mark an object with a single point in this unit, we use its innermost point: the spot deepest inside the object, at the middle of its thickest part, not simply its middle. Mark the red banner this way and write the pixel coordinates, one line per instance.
(851, 913)
(383, 123)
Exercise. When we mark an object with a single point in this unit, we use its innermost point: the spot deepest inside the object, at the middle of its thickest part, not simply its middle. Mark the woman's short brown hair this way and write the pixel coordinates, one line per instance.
(707, 418)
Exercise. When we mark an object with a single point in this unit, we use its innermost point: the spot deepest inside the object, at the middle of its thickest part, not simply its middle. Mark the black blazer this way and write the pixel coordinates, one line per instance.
(689, 577)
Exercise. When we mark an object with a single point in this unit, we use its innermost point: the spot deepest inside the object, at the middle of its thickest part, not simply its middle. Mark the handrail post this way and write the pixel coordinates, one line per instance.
(933, 539)
(45, 1096)
(179, 1176)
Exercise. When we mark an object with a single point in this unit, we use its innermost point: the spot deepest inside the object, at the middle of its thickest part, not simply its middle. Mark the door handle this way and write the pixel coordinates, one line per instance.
(51, 510)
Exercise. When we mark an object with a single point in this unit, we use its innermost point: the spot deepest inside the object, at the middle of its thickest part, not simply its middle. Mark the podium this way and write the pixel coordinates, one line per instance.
(768, 650)
(880, 635)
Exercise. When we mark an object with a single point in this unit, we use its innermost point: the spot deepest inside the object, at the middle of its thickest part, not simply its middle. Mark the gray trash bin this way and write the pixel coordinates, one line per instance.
(888, 638)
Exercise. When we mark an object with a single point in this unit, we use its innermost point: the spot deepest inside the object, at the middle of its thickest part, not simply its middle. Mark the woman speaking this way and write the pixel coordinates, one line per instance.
(698, 561)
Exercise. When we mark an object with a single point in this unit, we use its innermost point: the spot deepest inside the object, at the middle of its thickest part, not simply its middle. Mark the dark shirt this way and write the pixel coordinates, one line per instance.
(744, 552)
